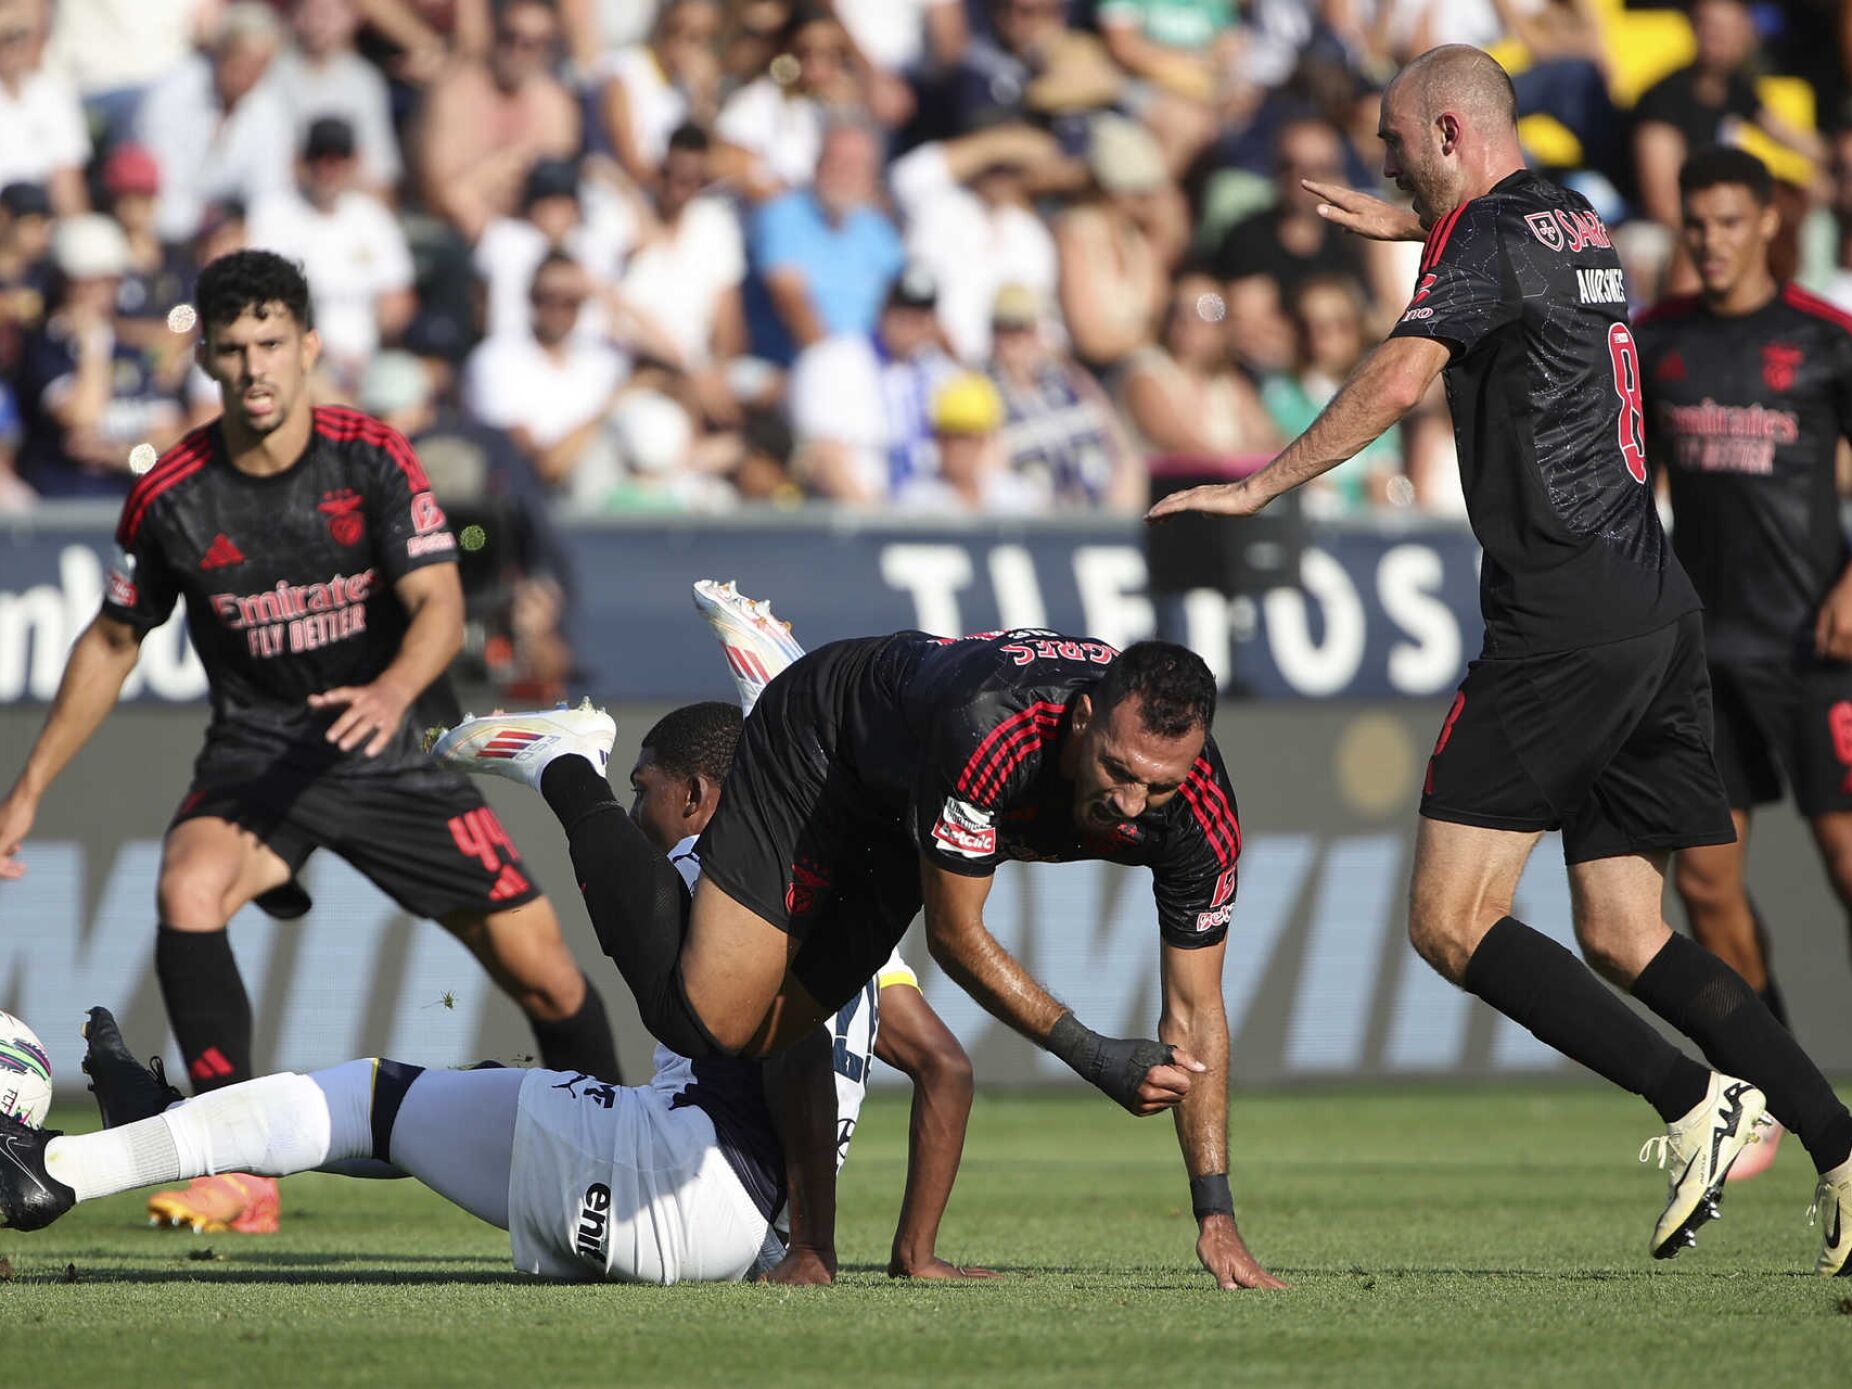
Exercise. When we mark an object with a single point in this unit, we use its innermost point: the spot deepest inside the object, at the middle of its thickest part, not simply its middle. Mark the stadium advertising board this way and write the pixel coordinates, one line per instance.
(1320, 983)
(1377, 615)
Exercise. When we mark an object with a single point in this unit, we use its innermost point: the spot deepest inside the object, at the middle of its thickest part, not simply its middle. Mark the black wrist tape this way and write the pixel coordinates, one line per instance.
(1209, 1195)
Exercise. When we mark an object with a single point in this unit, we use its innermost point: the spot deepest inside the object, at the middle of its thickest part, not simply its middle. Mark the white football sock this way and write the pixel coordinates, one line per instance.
(273, 1126)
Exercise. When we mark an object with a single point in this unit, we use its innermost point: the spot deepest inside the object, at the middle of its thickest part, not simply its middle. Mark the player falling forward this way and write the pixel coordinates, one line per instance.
(1748, 386)
(321, 589)
(1589, 709)
(682, 1179)
(881, 775)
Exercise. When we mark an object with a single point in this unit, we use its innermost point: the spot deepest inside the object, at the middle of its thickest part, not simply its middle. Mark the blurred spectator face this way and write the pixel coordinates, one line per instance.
(688, 37)
(1842, 173)
(27, 235)
(239, 65)
(555, 217)
(1726, 34)
(1017, 346)
(1329, 321)
(1024, 26)
(847, 168)
(1193, 332)
(1000, 185)
(324, 27)
(1727, 233)
(907, 331)
(19, 39)
(1256, 330)
(684, 175)
(526, 38)
(1308, 149)
(821, 49)
(326, 176)
(132, 182)
(559, 292)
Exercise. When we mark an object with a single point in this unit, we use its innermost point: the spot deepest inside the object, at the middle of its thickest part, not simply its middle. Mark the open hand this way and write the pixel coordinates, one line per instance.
(803, 1267)
(935, 1268)
(1212, 499)
(1364, 213)
(1226, 1256)
(373, 715)
(1832, 629)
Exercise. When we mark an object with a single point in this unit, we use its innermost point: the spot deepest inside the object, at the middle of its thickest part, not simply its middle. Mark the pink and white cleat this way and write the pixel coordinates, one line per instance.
(758, 646)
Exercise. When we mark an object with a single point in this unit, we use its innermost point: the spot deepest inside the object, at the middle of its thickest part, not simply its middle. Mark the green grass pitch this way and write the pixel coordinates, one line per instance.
(1472, 1236)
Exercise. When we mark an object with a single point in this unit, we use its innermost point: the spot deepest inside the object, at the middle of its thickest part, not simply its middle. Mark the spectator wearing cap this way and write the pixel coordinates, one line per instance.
(158, 273)
(26, 273)
(486, 121)
(43, 137)
(773, 127)
(322, 74)
(821, 258)
(1184, 396)
(216, 129)
(560, 212)
(349, 245)
(89, 397)
(1060, 432)
(657, 87)
(1289, 242)
(861, 402)
(1117, 244)
(969, 220)
(551, 389)
(971, 475)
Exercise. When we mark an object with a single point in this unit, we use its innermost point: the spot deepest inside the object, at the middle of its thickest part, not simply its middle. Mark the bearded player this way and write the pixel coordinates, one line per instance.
(1589, 709)
(1748, 388)
(321, 589)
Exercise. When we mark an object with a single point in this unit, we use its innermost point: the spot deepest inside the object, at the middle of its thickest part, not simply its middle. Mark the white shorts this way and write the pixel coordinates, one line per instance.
(609, 1182)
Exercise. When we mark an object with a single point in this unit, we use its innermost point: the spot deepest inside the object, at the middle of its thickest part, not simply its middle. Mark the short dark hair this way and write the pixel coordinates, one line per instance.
(696, 740)
(1176, 692)
(1716, 166)
(690, 137)
(251, 280)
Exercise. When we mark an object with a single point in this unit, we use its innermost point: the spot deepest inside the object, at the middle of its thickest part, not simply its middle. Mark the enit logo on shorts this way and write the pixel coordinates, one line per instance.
(594, 1221)
(964, 829)
(298, 617)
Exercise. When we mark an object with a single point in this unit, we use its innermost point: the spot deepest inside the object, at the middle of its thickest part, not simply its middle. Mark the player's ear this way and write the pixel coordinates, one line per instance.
(1083, 713)
(311, 348)
(695, 793)
(1449, 125)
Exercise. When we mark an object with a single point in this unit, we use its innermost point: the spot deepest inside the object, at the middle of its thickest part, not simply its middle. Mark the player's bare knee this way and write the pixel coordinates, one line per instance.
(1437, 938)
(194, 897)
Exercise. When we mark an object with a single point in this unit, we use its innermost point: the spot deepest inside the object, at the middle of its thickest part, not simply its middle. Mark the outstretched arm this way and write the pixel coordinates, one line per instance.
(915, 1041)
(1143, 1077)
(1193, 1018)
(1386, 386)
(800, 1088)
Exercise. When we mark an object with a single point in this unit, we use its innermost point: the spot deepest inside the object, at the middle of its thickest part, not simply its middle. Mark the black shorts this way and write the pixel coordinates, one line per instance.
(794, 841)
(423, 836)
(1610, 744)
(1778, 722)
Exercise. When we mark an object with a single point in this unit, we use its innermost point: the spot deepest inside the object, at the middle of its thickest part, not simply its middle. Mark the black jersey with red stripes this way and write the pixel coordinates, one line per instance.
(1524, 289)
(288, 581)
(1745, 414)
(962, 740)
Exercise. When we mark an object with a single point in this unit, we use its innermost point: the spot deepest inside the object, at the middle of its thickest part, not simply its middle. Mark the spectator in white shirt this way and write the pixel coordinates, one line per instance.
(969, 219)
(773, 126)
(670, 81)
(43, 138)
(906, 36)
(687, 271)
(116, 50)
(349, 245)
(550, 390)
(861, 402)
(323, 75)
(559, 212)
(217, 130)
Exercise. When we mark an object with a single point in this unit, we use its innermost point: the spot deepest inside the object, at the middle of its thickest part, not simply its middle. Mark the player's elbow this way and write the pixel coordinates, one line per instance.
(117, 640)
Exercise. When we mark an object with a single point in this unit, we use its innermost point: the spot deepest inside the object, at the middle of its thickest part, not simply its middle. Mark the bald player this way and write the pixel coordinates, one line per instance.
(1589, 709)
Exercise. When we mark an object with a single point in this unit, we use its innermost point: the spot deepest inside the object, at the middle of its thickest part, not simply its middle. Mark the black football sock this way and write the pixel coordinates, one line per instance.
(1769, 993)
(582, 1042)
(1709, 1002)
(637, 901)
(1536, 983)
(206, 1005)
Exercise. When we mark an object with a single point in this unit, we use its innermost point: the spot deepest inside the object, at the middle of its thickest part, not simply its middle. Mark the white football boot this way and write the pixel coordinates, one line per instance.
(1832, 1207)
(519, 746)
(758, 646)
(1697, 1152)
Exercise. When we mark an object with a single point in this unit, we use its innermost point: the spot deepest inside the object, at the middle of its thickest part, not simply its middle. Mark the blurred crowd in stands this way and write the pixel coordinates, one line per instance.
(997, 257)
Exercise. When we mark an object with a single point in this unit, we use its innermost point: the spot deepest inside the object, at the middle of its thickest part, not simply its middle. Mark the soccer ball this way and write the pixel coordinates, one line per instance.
(25, 1073)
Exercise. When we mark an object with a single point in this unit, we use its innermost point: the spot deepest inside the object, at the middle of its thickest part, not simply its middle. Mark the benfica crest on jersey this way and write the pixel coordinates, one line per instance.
(1779, 363)
(342, 508)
